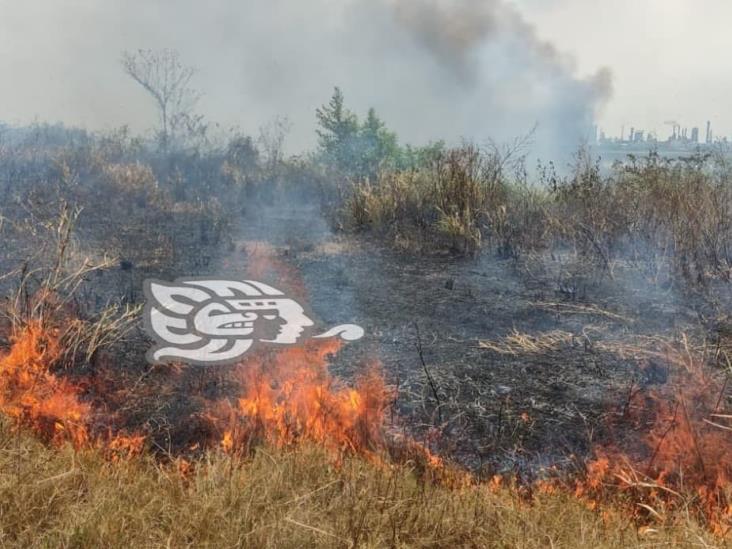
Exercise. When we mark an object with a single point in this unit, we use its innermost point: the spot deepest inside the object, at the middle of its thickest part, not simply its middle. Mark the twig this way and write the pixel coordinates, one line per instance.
(313, 528)
(427, 372)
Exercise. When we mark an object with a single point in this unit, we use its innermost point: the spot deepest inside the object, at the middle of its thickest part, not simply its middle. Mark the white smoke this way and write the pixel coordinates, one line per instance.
(432, 68)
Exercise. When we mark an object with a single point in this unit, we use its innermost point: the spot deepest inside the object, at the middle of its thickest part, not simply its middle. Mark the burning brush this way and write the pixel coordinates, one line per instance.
(36, 398)
(683, 455)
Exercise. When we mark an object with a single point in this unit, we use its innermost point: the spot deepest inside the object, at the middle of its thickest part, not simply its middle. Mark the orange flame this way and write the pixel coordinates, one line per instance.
(289, 397)
(684, 458)
(35, 397)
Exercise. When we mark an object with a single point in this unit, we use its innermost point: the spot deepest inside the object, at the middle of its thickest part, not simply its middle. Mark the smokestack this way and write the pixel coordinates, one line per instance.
(709, 132)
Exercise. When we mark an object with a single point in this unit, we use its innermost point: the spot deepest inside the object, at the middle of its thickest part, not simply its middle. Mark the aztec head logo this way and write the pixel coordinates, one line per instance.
(217, 321)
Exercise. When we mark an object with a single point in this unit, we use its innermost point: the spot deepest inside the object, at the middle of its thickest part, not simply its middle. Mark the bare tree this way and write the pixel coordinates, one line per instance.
(272, 141)
(167, 80)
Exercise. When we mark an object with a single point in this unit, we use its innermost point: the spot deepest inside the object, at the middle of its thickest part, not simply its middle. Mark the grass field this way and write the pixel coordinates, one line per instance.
(297, 498)
(99, 449)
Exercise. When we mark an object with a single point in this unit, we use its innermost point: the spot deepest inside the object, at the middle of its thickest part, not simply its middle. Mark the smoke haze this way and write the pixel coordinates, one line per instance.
(432, 69)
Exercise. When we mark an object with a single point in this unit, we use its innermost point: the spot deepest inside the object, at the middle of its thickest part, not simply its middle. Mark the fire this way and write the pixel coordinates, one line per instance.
(288, 397)
(685, 459)
(35, 397)
(119, 447)
(680, 457)
(284, 396)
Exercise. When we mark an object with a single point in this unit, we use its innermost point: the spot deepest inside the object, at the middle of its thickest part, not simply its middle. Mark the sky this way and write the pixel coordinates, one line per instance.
(432, 68)
(670, 58)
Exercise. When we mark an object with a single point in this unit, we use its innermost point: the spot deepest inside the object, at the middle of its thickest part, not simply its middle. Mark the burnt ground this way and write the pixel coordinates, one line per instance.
(438, 325)
(427, 320)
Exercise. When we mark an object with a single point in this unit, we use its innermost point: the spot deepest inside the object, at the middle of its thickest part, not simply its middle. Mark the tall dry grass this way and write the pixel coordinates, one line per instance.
(51, 498)
(654, 213)
(452, 197)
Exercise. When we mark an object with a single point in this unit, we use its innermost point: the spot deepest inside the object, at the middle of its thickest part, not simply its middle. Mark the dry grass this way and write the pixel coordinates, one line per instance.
(662, 217)
(449, 198)
(47, 287)
(51, 498)
(518, 343)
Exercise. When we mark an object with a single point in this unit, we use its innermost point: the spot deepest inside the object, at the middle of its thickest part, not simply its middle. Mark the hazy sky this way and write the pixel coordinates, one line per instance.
(257, 58)
(670, 59)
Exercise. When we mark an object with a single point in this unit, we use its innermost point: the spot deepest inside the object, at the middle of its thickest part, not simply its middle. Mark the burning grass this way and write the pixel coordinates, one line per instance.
(267, 483)
(264, 482)
(665, 450)
(288, 397)
(33, 396)
(47, 404)
(684, 459)
(253, 475)
(277, 498)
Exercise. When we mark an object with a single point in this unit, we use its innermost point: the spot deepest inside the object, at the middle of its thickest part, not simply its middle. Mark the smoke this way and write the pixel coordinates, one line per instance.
(452, 33)
(433, 69)
(493, 53)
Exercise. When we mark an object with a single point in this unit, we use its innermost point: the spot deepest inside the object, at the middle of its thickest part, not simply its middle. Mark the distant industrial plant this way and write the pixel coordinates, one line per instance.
(680, 139)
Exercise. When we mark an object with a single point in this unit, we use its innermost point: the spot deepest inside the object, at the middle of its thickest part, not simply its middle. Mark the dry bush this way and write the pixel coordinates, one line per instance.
(685, 212)
(656, 214)
(48, 334)
(584, 215)
(660, 216)
(45, 293)
(157, 215)
(454, 197)
(520, 223)
(393, 205)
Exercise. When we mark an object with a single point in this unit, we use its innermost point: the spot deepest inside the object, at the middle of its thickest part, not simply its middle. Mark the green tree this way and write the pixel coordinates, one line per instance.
(415, 157)
(377, 146)
(338, 132)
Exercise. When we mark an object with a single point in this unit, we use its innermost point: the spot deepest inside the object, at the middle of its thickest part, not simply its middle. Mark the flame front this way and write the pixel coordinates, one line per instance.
(684, 459)
(288, 397)
(679, 458)
(35, 397)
